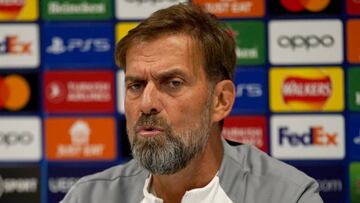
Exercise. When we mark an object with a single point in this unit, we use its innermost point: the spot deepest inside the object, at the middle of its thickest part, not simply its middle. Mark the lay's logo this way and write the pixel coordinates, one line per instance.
(18, 9)
(301, 89)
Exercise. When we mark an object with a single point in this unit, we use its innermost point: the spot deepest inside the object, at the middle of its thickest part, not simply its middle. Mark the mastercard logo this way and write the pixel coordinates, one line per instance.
(308, 5)
(14, 92)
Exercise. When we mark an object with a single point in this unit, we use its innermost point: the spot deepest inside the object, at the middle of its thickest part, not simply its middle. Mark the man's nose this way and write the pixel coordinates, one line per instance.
(150, 103)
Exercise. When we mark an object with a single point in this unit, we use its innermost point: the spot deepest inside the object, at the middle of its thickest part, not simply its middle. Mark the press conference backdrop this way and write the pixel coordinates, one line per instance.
(61, 94)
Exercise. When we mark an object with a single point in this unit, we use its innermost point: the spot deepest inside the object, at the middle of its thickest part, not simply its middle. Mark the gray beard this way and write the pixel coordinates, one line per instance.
(169, 152)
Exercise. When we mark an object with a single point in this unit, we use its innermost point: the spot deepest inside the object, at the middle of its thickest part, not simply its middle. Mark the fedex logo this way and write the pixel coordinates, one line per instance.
(12, 45)
(58, 46)
(316, 136)
(310, 136)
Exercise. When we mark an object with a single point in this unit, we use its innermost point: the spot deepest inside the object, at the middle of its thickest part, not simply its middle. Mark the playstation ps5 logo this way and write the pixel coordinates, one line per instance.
(59, 46)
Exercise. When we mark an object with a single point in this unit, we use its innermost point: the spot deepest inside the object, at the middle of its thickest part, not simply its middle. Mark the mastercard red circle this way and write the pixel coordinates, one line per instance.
(309, 5)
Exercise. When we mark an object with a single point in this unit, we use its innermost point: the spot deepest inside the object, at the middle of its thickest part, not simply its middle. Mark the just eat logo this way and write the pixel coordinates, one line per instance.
(316, 136)
(11, 44)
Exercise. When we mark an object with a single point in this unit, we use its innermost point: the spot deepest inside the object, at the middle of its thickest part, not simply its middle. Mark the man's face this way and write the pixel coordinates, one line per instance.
(167, 103)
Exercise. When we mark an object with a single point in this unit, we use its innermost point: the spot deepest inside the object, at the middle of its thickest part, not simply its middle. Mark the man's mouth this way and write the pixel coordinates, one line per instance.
(149, 131)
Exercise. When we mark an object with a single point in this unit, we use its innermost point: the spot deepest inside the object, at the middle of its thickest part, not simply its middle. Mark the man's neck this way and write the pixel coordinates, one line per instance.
(200, 171)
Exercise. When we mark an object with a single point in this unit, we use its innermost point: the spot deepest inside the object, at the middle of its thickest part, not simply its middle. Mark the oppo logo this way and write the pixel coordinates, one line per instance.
(307, 42)
(15, 138)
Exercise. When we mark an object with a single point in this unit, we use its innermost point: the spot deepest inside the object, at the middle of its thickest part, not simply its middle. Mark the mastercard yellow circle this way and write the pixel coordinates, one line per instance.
(315, 5)
(19, 93)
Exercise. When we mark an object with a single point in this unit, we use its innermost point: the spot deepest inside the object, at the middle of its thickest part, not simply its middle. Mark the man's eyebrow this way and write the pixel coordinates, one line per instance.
(170, 73)
(132, 78)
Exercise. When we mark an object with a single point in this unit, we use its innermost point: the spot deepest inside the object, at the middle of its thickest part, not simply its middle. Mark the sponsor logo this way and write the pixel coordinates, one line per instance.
(85, 45)
(233, 8)
(16, 138)
(92, 138)
(352, 36)
(123, 28)
(354, 181)
(20, 138)
(315, 136)
(306, 89)
(78, 45)
(12, 45)
(61, 184)
(353, 90)
(353, 7)
(308, 7)
(249, 37)
(121, 91)
(19, 46)
(15, 92)
(305, 41)
(18, 10)
(61, 178)
(299, 5)
(141, 9)
(247, 129)
(20, 184)
(331, 182)
(307, 137)
(353, 127)
(76, 91)
(77, 10)
(19, 92)
(251, 94)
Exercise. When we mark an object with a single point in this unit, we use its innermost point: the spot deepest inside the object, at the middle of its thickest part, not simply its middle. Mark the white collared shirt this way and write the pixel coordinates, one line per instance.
(212, 192)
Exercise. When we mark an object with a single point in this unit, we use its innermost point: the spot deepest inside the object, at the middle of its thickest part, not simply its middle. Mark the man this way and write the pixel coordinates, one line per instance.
(178, 69)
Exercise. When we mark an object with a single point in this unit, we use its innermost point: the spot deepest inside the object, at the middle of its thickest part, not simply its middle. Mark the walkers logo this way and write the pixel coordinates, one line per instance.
(307, 137)
(353, 41)
(331, 182)
(353, 127)
(79, 91)
(23, 10)
(19, 46)
(247, 129)
(301, 7)
(140, 9)
(355, 182)
(305, 41)
(20, 138)
(354, 89)
(85, 45)
(123, 28)
(251, 95)
(61, 178)
(233, 8)
(353, 7)
(18, 92)
(306, 89)
(77, 10)
(249, 37)
(20, 184)
(80, 139)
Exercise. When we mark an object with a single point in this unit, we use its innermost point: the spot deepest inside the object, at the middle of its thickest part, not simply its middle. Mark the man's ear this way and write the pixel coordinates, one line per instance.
(223, 99)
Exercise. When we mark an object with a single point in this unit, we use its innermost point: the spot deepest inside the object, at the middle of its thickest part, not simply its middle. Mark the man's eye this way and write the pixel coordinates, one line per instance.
(175, 84)
(135, 86)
